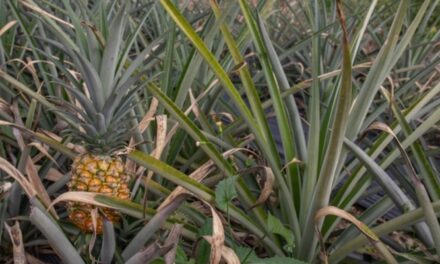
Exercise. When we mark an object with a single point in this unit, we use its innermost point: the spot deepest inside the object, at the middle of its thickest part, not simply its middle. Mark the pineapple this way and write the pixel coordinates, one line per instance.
(98, 115)
(100, 174)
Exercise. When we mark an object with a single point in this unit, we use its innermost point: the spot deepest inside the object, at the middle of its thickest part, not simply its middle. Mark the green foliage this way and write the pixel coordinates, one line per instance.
(225, 191)
(276, 227)
(239, 86)
(203, 247)
(245, 254)
(181, 257)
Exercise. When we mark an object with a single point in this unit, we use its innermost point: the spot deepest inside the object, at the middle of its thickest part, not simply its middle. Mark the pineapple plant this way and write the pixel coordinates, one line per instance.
(102, 93)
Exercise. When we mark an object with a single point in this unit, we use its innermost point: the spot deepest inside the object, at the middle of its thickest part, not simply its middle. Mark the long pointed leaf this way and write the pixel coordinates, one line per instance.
(55, 236)
(329, 168)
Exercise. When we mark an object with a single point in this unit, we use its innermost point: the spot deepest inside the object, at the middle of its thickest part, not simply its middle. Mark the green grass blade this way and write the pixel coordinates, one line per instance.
(380, 69)
(292, 109)
(55, 236)
(430, 215)
(330, 164)
(358, 38)
(289, 120)
(404, 42)
(81, 36)
(393, 190)
(207, 55)
(313, 116)
(282, 120)
(426, 169)
(110, 56)
(280, 111)
(128, 46)
(108, 243)
(169, 60)
(414, 136)
(248, 83)
(172, 174)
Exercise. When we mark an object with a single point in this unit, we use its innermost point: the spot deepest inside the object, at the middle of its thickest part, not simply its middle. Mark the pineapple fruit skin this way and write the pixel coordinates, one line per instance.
(99, 174)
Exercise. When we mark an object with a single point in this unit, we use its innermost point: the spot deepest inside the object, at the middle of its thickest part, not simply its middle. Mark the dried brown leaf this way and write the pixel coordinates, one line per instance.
(293, 161)
(43, 150)
(161, 132)
(19, 123)
(6, 27)
(9, 169)
(40, 11)
(195, 107)
(173, 240)
(5, 109)
(5, 187)
(145, 122)
(53, 175)
(94, 215)
(229, 256)
(381, 126)
(83, 197)
(150, 253)
(269, 179)
(17, 243)
(217, 239)
(35, 180)
(331, 210)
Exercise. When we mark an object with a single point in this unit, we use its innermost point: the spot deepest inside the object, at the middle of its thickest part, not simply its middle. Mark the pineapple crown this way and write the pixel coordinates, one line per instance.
(104, 92)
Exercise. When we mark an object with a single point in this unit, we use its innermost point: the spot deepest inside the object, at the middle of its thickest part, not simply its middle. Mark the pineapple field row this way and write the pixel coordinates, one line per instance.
(257, 132)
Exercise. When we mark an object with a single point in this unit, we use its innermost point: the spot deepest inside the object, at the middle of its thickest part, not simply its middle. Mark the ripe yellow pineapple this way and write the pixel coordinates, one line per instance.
(101, 174)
